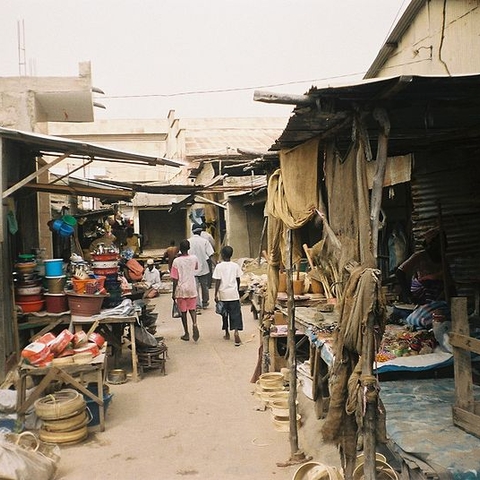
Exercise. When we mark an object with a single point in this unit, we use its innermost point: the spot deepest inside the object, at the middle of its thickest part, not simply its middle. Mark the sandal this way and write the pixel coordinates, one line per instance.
(196, 334)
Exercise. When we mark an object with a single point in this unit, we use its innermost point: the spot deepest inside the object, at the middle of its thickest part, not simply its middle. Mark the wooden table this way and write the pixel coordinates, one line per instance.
(111, 328)
(68, 374)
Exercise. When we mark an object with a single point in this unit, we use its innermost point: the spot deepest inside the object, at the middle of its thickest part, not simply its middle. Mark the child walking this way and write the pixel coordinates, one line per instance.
(227, 282)
(185, 288)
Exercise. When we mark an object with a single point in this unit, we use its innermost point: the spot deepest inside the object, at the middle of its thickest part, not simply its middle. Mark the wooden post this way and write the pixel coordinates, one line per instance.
(377, 189)
(462, 364)
(264, 229)
(292, 357)
(368, 385)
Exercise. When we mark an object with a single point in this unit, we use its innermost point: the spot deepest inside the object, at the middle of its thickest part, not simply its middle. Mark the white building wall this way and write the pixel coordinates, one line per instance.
(438, 43)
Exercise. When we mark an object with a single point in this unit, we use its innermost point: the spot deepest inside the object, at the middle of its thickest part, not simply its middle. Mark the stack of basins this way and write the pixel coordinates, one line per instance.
(271, 390)
(28, 285)
(64, 417)
(106, 265)
(56, 300)
(271, 387)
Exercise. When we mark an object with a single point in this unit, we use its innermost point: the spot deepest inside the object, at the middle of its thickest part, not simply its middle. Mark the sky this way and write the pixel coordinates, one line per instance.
(201, 58)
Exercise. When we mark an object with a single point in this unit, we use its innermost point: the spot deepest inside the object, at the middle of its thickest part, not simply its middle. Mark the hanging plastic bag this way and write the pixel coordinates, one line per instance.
(24, 456)
(175, 310)
(219, 307)
(143, 338)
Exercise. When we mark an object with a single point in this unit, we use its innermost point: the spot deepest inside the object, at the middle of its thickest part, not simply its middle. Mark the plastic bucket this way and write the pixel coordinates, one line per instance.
(56, 302)
(69, 220)
(53, 267)
(66, 230)
(93, 406)
(55, 284)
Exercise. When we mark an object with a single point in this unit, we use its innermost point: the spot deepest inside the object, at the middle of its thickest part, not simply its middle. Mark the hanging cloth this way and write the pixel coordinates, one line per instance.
(291, 202)
(11, 216)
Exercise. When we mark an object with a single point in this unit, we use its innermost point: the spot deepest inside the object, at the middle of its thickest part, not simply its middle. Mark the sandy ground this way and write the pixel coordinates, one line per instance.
(199, 421)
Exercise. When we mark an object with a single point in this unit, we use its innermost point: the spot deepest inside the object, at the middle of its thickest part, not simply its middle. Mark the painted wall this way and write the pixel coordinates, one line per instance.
(438, 42)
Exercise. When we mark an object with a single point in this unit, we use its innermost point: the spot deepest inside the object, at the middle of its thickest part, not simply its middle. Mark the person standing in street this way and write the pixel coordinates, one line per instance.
(227, 284)
(184, 291)
(203, 250)
(170, 254)
(211, 264)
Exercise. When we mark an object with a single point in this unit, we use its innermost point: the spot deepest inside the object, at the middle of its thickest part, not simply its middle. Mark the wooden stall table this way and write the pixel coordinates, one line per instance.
(111, 327)
(44, 321)
(67, 374)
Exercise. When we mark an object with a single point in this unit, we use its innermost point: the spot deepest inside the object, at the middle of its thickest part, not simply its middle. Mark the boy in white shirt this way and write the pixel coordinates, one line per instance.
(227, 282)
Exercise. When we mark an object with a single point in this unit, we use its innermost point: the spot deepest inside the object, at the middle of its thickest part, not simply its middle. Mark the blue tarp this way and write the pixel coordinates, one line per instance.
(419, 421)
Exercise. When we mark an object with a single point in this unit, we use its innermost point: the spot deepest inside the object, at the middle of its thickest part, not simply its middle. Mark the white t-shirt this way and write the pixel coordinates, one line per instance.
(201, 248)
(227, 273)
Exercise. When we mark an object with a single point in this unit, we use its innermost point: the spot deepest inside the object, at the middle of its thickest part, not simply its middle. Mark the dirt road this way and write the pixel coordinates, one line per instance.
(200, 421)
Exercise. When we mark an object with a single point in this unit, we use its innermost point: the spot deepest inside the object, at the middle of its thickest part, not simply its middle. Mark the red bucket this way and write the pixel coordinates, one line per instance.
(56, 302)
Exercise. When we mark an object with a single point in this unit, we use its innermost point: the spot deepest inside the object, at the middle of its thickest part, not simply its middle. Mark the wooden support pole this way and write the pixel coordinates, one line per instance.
(368, 385)
(377, 189)
(292, 357)
(285, 99)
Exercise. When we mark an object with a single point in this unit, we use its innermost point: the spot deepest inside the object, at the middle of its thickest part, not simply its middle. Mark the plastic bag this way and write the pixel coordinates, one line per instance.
(175, 310)
(143, 338)
(21, 460)
(219, 308)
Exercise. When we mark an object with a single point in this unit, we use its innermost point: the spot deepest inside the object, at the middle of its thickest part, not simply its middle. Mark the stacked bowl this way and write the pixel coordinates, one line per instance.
(28, 285)
(105, 265)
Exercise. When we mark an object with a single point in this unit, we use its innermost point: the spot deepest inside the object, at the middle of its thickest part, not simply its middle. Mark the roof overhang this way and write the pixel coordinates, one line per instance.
(423, 111)
(62, 148)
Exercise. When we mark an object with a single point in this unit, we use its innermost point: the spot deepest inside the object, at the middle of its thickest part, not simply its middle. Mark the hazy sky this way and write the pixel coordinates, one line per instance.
(147, 55)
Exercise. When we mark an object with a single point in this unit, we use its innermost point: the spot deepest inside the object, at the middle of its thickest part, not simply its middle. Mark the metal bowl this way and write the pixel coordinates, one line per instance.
(117, 376)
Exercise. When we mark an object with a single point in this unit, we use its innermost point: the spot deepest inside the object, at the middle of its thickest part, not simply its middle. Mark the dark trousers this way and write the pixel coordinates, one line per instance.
(202, 286)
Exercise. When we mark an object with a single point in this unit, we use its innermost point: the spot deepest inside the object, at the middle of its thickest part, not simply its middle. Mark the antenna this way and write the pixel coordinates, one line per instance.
(22, 63)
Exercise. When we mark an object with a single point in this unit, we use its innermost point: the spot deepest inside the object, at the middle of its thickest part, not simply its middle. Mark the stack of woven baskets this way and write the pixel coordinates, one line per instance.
(271, 390)
(64, 417)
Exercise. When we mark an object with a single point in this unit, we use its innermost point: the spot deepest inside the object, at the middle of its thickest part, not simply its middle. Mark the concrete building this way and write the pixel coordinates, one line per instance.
(432, 38)
(215, 150)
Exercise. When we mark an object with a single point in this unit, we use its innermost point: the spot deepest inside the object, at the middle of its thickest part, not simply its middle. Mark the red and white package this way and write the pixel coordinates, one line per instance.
(80, 339)
(35, 353)
(89, 348)
(66, 353)
(60, 343)
(96, 338)
(46, 339)
(46, 362)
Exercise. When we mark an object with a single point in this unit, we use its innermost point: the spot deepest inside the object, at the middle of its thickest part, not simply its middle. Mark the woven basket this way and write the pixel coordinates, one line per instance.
(61, 404)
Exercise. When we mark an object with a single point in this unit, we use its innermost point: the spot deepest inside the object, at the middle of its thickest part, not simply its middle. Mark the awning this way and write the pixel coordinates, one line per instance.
(423, 111)
(45, 145)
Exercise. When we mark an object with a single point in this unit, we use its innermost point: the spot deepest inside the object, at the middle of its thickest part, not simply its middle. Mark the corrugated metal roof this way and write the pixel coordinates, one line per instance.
(48, 144)
(422, 110)
(221, 137)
